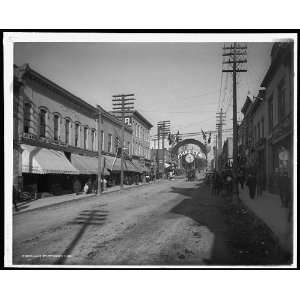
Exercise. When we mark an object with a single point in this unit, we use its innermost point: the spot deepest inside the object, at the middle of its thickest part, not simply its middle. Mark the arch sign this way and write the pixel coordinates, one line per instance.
(189, 153)
(203, 147)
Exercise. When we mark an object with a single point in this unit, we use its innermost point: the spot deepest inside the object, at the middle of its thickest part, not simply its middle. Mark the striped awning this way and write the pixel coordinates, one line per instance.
(87, 164)
(39, 160)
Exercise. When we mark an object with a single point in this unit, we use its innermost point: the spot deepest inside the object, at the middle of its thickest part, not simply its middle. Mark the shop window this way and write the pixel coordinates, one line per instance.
(56, 127)
(43, 114)
(67, 131)
(27, 116)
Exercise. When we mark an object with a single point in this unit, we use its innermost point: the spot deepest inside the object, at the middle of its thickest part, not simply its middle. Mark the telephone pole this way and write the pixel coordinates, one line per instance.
(122, 106)
(163, 128)
(219, 125)
(236, 57)
(156, 157)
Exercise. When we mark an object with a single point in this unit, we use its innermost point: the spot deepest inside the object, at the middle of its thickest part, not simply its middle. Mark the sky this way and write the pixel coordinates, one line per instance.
(180, 82)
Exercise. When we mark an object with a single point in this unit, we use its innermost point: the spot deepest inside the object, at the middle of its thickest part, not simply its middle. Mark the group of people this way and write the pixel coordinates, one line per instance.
(223, 180)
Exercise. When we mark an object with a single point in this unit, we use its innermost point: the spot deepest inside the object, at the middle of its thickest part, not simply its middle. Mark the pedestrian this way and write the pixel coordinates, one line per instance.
(86, 188)
(284, 188)
(241, 178)
(76, 186)
(218, 183)
(251, 183)
(259, 183)
(15, 198)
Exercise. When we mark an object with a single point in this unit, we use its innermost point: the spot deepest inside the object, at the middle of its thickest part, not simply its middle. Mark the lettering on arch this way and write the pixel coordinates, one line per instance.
(187, 142)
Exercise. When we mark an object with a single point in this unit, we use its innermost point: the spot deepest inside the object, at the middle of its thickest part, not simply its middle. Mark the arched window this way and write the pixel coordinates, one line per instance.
(77, 134)
(67, 131)
(27, 117)
(85, 137)
(93, 138)
(43, 115)
(56, 121)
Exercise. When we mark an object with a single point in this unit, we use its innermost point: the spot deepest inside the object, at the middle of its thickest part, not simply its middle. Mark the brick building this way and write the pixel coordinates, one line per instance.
(267, 127)
(56, 139)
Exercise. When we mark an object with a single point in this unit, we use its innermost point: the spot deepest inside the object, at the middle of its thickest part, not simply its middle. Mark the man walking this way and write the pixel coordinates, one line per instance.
(251, 183)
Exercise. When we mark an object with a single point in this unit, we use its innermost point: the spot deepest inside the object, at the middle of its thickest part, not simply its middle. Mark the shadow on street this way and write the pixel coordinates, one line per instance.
(86, 218)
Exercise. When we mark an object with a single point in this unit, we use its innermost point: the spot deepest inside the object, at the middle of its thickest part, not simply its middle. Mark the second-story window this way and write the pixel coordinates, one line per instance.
(56, 127)
(77, 135)
(93, 135)
(67, 131)
(109, 144)
(102, 139)
(43, 114)
(270, 114)
(27, 115)
(85, 136)
(281, 101)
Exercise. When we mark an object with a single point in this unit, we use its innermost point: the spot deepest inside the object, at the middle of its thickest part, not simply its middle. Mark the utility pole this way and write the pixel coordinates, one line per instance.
(156, 157)
(236, 54)
(99, 149)
(219, 125)
(122, 105)
(163, 128)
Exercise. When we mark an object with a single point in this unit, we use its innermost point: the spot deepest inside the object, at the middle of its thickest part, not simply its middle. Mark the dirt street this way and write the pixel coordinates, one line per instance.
(166, 223)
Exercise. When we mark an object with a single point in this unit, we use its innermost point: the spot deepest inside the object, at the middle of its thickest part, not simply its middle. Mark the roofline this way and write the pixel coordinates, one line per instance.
(142, 118)
(26, 68)
(281, 55)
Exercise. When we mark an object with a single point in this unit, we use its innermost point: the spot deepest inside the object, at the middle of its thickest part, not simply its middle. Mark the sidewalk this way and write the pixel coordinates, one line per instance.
(51, 201)
(268, 209)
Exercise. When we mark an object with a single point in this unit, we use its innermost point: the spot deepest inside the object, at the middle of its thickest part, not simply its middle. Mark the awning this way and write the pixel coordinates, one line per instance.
(87, 164)
(114, 164)
(142, 168)
(39, 160)
(130, 167)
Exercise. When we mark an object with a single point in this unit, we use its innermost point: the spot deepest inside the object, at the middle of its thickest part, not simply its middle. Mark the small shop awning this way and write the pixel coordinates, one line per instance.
(142, 168)
(39, 160)
(87, 164)
(130, 167)
(114, 164)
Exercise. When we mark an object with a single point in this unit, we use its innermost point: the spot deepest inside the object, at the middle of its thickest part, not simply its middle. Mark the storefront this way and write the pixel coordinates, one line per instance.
(46, 171)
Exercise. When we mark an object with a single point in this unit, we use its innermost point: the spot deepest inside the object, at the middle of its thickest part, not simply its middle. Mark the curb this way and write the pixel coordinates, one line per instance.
(76, 199)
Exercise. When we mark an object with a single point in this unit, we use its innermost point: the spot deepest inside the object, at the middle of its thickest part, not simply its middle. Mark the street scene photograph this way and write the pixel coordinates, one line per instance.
(161, 152)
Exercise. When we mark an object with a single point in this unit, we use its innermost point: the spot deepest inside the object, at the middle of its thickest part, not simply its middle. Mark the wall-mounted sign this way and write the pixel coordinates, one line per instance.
(128, 120)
